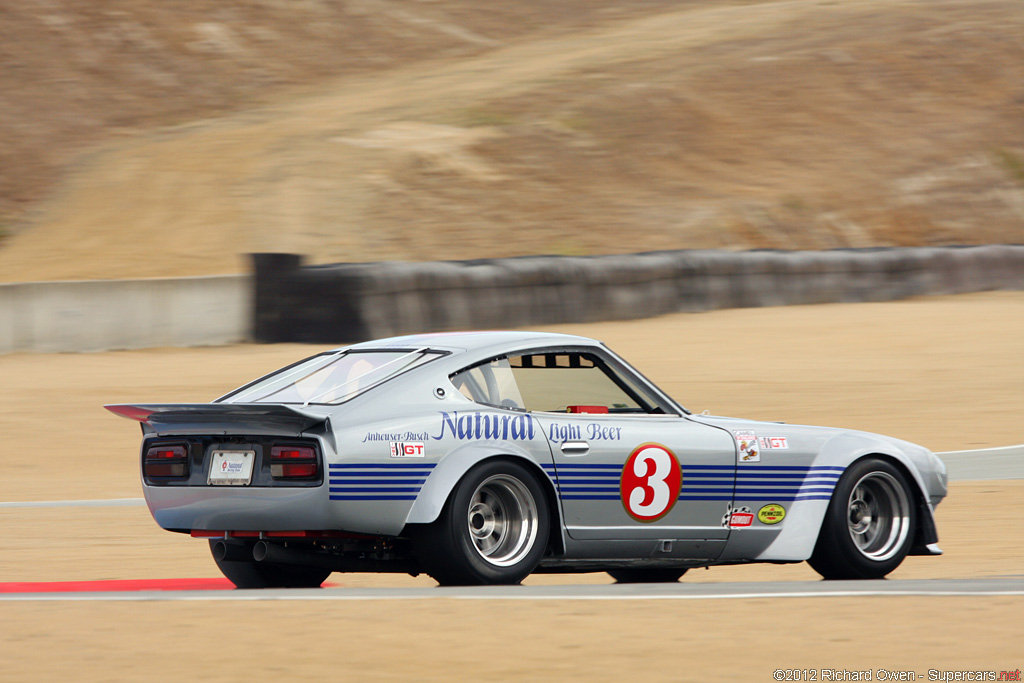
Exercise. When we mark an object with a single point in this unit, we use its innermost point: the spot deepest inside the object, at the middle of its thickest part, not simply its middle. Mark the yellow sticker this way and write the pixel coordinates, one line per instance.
(771, 514)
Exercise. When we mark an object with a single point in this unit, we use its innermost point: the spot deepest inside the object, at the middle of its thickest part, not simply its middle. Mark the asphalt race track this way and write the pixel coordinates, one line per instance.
(676, 591)
(990, 463)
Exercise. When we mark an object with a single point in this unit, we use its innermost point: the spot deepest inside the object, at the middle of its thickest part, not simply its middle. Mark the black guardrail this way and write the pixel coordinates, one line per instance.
(350, 302)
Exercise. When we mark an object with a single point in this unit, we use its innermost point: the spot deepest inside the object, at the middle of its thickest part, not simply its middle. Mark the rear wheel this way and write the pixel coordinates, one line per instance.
(869, 525)
(252, 574)
(493, 529)
(640, 575)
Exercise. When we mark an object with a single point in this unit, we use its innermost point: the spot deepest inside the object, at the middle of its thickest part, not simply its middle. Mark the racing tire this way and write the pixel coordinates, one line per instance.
(493, 529)
(640, 575)
(246, 574)
(869, 524)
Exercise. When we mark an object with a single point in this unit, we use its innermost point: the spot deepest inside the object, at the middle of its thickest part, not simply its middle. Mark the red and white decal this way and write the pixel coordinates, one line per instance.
(741, 519)
(746, 443)
(776, 443)
(650, 482)
(738, 517)
(407, 449)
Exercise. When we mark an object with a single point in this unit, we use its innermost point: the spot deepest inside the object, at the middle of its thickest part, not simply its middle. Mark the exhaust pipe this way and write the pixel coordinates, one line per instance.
(223, 551)
(262, 550)
(275, 553)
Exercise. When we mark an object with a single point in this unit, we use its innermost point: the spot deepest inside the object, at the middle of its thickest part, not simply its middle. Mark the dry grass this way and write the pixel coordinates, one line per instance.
(445, 130)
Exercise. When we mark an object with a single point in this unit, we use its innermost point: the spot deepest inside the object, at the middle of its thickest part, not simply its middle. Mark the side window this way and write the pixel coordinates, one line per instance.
(556, 382)
(571, 383)
(490, 383)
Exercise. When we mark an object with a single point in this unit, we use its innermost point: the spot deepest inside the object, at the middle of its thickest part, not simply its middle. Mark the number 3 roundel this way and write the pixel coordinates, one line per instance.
(650, 482)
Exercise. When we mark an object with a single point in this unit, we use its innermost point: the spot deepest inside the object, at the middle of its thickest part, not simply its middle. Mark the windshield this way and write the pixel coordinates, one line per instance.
(330, 378)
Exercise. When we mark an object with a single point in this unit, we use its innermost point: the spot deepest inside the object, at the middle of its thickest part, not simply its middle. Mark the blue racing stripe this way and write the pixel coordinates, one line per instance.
(745, 483)
(374, 489)
(362, 497)
(382, 465)
(377, 481)
(578, 466)
(569, 496)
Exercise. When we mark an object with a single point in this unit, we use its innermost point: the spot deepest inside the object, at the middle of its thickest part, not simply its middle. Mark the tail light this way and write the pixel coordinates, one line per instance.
(166, 462)
(293, 462)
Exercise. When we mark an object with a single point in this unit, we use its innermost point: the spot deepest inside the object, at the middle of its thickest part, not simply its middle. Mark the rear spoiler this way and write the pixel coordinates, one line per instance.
(237, 418)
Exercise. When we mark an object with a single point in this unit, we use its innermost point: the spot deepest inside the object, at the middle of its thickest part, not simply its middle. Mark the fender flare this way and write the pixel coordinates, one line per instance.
(450, 470)
(797, 540)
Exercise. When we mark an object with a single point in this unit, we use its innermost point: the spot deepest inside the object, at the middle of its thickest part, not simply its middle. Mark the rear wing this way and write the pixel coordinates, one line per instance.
(206, 418)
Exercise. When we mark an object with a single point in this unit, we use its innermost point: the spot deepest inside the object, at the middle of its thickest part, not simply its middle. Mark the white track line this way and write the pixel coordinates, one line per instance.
(104, 503)
(983, 451)
(303, 595)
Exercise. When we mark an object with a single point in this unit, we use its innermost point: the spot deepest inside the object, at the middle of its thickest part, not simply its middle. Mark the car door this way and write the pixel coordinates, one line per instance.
(627, 463)
(641, 477)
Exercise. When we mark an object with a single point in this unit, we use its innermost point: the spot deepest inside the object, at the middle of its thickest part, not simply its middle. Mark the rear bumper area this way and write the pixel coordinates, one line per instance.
(185, 508)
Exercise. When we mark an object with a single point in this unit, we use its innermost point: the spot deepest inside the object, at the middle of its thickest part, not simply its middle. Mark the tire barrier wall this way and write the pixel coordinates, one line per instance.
(125, 314)
(350, 302)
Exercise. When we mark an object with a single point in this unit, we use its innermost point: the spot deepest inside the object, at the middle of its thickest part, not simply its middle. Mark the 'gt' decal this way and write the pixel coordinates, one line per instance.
(650, 482)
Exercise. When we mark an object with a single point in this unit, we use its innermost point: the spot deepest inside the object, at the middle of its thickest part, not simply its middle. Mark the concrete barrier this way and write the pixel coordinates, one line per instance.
(351, 302)
(125, 314)
(340, 303)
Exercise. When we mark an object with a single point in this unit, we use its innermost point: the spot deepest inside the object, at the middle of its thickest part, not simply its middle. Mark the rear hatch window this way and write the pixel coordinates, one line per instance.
(330, 378)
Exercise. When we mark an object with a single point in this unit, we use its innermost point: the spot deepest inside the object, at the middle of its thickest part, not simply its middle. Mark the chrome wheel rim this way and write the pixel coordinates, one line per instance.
(502, 520)
(878, 515)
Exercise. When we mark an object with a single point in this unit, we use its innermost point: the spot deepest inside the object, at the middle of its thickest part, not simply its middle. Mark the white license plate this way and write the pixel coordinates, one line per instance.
(231, 468)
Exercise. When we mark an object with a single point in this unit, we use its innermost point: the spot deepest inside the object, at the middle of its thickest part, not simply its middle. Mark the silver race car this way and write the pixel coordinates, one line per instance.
(482, 457)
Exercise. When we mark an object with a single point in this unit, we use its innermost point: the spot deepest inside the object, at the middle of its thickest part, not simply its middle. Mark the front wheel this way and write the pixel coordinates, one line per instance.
(493, 530)
(869, 524)
(252, 574)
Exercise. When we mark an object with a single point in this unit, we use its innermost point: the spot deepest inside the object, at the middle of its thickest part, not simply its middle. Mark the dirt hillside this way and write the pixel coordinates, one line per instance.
(160, 139)
(80, 74)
